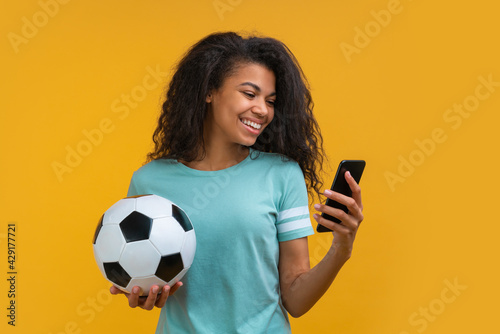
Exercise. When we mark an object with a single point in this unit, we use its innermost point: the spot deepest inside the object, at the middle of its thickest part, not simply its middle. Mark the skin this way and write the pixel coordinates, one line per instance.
(301, 286)
(154, 298)
(249, 94)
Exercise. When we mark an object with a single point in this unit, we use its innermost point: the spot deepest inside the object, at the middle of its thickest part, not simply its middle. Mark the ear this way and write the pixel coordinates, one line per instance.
(209, 98)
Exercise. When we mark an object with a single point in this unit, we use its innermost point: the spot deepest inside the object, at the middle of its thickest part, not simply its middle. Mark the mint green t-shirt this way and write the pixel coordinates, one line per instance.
(240, 214)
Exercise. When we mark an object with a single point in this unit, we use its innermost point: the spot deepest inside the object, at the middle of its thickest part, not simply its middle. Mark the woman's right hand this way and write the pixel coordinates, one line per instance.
(155, 298)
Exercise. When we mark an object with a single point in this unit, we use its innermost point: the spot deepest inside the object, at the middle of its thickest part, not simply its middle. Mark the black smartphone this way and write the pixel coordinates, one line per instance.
(340, 185)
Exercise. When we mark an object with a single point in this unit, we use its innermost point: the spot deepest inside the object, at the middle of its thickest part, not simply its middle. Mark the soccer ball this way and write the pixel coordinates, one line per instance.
(142, 241)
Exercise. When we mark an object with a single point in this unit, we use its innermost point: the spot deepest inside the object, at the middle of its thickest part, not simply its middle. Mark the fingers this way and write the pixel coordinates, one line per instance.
(156, 296)
(149, 302)
(356, 190)
(133, 297)
(335, 227)
(166, 292)
(353, 218)
(162, 299)
(354, 215)
(175, 287)
(115, 291)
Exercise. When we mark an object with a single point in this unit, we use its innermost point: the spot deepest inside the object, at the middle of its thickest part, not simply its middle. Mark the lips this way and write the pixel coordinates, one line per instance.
(254, 125)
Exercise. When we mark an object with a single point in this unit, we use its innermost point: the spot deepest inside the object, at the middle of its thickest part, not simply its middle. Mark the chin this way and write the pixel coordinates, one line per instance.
(248, 143)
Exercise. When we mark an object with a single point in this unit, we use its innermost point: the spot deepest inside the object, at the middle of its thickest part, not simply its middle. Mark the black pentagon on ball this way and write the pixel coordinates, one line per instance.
(181, 217)
(169, 267)
(98, 229)
(116, 274)
(136, 226)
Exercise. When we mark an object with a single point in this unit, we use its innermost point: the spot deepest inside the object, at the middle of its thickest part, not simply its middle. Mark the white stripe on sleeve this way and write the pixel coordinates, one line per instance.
(294, 212)
(293, 225)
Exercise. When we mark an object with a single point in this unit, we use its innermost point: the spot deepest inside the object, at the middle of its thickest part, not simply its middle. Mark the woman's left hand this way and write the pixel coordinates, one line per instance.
(345, 232)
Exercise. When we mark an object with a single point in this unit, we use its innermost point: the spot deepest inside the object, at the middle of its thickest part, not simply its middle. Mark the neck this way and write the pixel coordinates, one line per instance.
(217, 157)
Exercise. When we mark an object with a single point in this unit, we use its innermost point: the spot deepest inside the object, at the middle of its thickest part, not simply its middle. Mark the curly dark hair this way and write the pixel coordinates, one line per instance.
(293, 133)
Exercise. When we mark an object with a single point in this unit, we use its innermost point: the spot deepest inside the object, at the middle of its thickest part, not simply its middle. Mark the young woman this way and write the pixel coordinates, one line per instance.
(237, 147)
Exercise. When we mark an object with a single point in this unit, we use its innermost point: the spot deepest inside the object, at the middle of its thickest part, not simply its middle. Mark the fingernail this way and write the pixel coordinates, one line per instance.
(317, 206)
(316, 216)
(328, 192)
(135, 290)
(155, 289)
(348, 174)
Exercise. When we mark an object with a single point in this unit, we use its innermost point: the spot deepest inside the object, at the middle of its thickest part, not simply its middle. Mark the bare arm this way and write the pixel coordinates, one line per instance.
(301, 287)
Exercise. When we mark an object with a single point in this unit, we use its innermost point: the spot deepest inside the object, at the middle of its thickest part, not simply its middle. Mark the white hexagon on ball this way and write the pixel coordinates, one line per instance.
(140, 258)
(188, 248)
(154, 206)
(145, 283)
(109, 243)
(167, 235)
(118, 211)
(99, 261)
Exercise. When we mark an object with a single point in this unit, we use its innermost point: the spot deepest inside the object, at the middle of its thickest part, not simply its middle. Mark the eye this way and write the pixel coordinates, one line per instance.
(271, 103)
(248, 94)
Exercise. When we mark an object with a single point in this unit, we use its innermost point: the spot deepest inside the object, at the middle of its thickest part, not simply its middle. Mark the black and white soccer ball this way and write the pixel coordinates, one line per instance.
(142, 241)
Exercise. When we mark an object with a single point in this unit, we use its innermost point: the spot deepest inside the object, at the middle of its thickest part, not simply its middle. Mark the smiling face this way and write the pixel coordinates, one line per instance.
(241, 108)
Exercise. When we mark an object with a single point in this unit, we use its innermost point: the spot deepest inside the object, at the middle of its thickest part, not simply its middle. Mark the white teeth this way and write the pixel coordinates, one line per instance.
(252, 124)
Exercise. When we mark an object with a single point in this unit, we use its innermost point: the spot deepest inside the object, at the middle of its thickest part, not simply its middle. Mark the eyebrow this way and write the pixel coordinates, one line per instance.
(257, 88)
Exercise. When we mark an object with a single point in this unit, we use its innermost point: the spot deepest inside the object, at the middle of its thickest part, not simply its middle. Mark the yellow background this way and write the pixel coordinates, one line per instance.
(438, 227)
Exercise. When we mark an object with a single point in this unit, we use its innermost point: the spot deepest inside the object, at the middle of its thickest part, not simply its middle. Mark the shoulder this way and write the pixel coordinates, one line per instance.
(153, 167)
(281, 173)
(275, 161)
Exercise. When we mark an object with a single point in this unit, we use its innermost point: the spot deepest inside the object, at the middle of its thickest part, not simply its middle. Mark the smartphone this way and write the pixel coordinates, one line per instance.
(340, 185)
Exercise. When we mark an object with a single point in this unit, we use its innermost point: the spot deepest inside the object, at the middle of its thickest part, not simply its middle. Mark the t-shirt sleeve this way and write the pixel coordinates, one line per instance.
(293, 217)
(132, 189)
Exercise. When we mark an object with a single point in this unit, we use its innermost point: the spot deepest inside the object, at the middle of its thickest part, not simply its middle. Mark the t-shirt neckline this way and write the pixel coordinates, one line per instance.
(185, 168)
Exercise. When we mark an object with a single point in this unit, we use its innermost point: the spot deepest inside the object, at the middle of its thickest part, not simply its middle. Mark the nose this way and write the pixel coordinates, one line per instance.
(260, 108)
